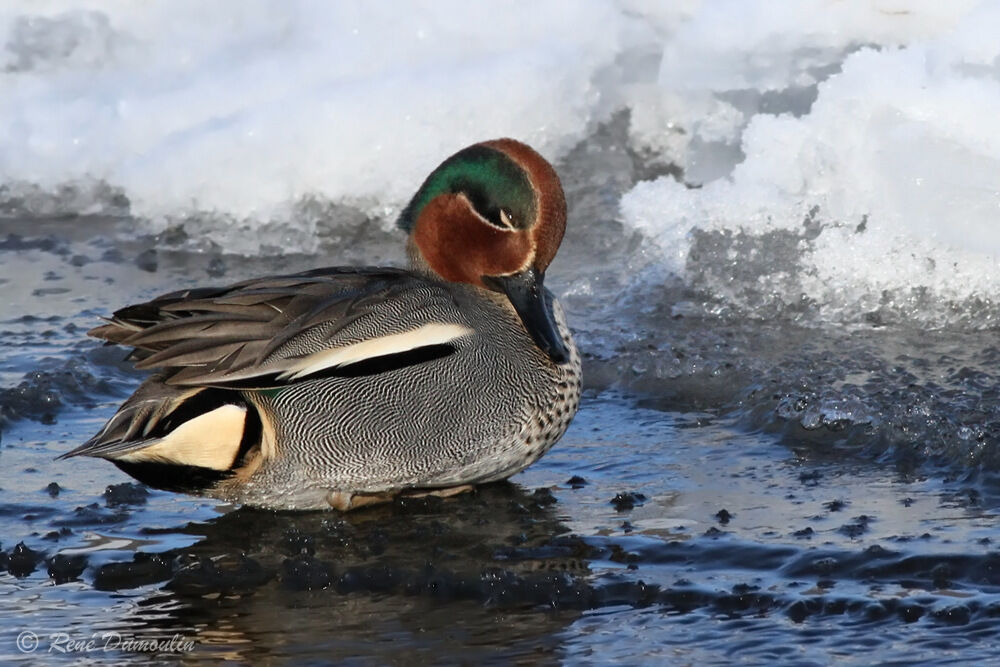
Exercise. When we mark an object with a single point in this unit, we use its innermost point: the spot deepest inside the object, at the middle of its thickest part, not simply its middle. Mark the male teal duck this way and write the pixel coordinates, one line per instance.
(344, 387)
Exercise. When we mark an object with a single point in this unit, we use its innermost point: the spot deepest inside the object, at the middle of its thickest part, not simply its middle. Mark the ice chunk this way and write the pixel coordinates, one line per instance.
(240, 109)
(890, 183)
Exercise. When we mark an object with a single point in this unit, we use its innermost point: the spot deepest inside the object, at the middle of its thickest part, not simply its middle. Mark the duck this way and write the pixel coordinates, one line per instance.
(343, 387)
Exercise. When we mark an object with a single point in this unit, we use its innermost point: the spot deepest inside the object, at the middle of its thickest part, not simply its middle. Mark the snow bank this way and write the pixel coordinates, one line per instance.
(239, 108)
(839, 158)
(884, 190)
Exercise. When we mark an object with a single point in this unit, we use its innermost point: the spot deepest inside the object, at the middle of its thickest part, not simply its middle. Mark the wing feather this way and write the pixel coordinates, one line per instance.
(280, 329)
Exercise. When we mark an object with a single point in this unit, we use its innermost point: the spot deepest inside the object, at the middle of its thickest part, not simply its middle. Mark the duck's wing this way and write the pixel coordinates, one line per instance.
(271, 331)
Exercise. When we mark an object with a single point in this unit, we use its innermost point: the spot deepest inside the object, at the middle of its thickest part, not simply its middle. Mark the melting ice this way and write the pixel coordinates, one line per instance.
(842, 155)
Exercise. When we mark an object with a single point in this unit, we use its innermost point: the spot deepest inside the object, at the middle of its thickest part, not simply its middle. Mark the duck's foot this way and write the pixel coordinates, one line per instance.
(438, 493)
(346, 501)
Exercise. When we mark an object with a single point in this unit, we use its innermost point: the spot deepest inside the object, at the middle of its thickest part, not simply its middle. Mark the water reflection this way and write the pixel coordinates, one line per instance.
(483, 577)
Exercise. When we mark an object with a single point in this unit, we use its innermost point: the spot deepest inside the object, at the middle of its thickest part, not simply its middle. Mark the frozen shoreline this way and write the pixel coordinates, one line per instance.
(845, 154)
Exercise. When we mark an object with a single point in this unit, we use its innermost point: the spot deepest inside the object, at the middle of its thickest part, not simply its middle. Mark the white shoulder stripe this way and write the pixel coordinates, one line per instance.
(435, 333)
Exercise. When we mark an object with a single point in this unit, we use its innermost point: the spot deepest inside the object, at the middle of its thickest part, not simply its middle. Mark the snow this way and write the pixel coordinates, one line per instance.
(861, 134)
(240, 108)
(896, 162)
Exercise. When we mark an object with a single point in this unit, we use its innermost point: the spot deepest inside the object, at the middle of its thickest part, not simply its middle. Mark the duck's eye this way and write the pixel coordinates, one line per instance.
(505, 219)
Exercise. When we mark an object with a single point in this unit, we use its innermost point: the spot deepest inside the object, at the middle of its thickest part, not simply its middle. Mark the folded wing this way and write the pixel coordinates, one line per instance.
(281, 329)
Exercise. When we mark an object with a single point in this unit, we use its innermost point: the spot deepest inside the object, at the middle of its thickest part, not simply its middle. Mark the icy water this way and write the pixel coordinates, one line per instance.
(739, 485)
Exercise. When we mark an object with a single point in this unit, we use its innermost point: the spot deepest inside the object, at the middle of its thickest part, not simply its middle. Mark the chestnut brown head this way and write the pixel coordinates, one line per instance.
(493, 216)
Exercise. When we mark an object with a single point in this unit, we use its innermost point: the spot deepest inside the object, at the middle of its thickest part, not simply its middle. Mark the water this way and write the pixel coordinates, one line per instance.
(780, 266)
(733, 488)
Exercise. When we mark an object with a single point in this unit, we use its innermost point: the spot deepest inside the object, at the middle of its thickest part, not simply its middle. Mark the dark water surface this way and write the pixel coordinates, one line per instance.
(734, 489)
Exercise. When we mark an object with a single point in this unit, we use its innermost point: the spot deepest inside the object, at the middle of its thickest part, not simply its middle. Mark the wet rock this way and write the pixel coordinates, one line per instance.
(444, 585)
(739, 604)
(126, 493)
(517, 509)
(147, 260)
(824, 565)
(811, 477)
(878, 551)
(953, 615)
(144, 569)
(34, 398)
(743, 589)
(294, 543)
(713, 532)
(552, 590)
(174, 235)
(429, 532)
(22, 560)
(18, 242)
(835, 606)
(911, 613)
(378, 541)
(306, 573)
(404, 505)
(684, 600)
(853, 530)
(627, 500)
(834, 505)
(941, 575)
(619, 555)
(195, 577)
(203, 577)
(858, 527)
(338, 532)
(381, 579)
(63, 568)
(113, 255)
(496, 584)
(216, 267)
(636, 594)
(805, 533)
(875, 611)
(92, 515)
(517, 539)
(43, 392)
(576, 482)
(543, 497)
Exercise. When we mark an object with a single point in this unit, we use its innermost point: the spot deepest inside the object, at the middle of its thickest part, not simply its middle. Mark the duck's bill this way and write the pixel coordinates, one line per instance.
(533, 305)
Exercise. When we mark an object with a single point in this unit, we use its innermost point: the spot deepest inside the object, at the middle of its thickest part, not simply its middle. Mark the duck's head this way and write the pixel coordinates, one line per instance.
(493, 215)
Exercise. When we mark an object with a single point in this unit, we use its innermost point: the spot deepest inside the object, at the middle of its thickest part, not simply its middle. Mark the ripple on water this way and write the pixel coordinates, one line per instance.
(732, 489)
